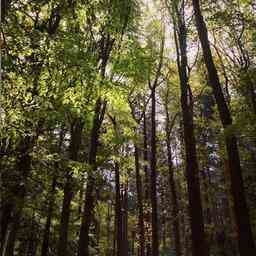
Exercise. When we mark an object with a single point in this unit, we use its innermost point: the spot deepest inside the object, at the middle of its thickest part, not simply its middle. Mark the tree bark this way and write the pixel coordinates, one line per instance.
(46, 236)
(174, 200)
(75, 142)
(83, 244)
(242, 218)
(118, 213)
(65, 214)
(24, 166)
(140, 203)
(154, 220)
(124, 234)
(199, 246)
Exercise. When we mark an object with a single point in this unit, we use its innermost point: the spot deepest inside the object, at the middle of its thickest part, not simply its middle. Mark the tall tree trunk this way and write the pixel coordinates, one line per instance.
(140, 203)
(5, 221)
(83, 245)
(75, 142)
(24, 167)
(155, 241)
(174, 200)
(108, 251)
(47, 229)
(153, 172)
(242, 218)
(46, 236)
(199, 246)
(173, 189)
(65, 214)
(124, 249)
(145, 156)
(118, 213)
(147, 185)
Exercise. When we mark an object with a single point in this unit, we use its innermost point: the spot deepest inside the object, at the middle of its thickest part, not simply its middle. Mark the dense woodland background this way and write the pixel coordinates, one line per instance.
(128, 127)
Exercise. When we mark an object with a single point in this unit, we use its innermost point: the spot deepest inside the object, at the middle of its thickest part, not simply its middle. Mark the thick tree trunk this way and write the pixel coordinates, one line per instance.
(199, 246)
(242, 218)
(83, 245)
(140, 203)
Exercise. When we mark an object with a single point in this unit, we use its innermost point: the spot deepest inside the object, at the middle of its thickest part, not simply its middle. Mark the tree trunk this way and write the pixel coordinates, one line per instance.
(242, 218)
(24, 166)
(75, 142)
(124, 234)
(145, 157)
(140, 203)
(147, 183)
(46, 236)
(83, 245)
(118, 213)
(5, 220)
(199, 246)
(174, 200)
(154, 220)
(65, 214)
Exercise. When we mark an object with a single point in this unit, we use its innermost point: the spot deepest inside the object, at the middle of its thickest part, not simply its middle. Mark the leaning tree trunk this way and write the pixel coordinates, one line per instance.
(242, 218)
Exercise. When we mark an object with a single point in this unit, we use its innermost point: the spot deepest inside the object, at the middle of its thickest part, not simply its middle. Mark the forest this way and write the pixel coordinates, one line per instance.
(128, 128)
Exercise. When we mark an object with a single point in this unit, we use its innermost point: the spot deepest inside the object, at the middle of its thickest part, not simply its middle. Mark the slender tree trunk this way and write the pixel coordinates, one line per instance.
(145, 157)
(24, 167)
(147, 185)
(124, 249)
(242, 218)
(173, 189)
(155, 239)
(118, 213)
(140, 203)
(175, 205)
(83, 245)
(108, 250)
(75, 142)
(46, 236)
(65, 214)
(5, 221)
(199, 246)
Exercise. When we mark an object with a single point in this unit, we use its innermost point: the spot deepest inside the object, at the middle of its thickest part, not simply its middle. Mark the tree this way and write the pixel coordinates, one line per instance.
(245, 239)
